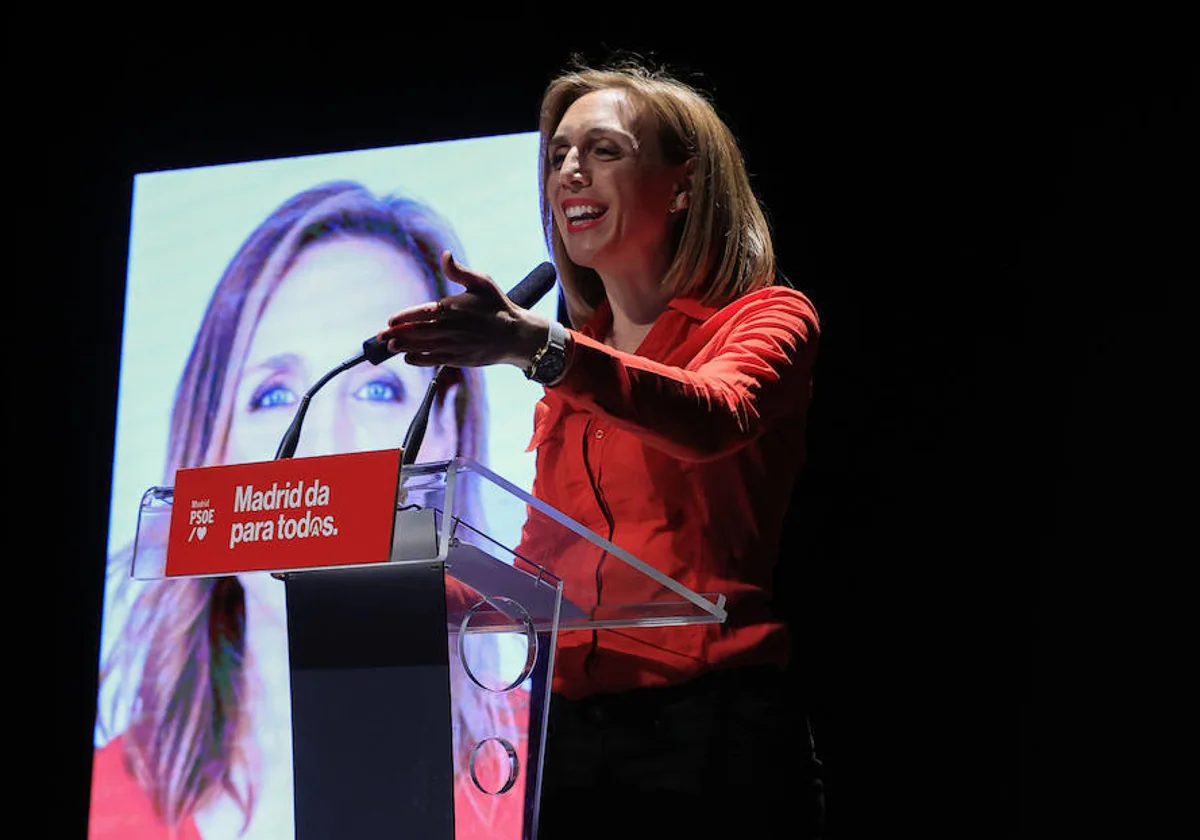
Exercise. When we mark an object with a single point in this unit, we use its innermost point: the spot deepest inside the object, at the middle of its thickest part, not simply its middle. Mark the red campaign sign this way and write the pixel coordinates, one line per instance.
(294, 513)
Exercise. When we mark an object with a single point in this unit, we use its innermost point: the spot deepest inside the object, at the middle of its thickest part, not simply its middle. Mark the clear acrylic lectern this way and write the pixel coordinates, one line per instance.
(420, 686)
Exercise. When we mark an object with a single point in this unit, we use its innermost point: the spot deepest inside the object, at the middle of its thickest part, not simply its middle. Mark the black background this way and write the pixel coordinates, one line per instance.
(994, 228)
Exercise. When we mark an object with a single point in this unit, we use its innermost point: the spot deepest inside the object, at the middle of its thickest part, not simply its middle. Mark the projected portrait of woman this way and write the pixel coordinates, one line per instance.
(195, 718)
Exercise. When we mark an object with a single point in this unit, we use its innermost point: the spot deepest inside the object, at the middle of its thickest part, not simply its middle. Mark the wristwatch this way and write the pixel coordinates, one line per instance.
(550, 363)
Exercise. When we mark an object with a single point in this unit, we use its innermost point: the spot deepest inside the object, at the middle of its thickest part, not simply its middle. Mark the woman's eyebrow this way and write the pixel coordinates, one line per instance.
(595, 131)
(277, 362)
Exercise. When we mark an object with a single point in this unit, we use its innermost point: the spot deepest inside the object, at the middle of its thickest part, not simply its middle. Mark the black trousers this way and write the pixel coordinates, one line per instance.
(731, 751)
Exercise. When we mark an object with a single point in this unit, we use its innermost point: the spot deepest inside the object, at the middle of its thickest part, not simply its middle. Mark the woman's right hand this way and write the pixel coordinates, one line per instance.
(478, 326)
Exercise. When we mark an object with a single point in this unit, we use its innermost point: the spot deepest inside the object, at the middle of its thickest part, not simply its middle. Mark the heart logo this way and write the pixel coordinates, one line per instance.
(201, 530)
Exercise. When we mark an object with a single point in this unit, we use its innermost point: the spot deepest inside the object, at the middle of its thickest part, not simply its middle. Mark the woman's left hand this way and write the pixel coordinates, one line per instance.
(478, 326)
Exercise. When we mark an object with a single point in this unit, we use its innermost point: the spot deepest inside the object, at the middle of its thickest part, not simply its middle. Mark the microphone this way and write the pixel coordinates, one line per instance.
(532, 288)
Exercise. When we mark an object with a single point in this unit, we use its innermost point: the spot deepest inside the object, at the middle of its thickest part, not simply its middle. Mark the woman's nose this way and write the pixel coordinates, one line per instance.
(571, 173)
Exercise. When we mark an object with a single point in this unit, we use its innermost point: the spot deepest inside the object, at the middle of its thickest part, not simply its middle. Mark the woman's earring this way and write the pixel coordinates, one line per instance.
(674, 205)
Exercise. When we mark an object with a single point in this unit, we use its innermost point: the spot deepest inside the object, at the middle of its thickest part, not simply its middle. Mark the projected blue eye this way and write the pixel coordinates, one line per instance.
(272, 395)
(381, 390)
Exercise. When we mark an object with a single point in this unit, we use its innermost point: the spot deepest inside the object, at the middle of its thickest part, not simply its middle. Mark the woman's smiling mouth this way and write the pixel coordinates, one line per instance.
(581, 214)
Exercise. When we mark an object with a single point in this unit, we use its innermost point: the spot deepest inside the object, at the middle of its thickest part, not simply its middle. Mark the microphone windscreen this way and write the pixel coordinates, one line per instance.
(534, 286)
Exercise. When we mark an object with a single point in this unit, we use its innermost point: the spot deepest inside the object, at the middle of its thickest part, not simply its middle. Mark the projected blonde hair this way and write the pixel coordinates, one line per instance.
(181, 656)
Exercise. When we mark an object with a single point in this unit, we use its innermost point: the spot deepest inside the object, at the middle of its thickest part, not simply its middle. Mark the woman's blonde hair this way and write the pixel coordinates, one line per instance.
(723, 242)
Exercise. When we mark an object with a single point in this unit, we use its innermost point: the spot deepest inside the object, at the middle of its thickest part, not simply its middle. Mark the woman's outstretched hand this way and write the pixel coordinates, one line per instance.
(478, 326)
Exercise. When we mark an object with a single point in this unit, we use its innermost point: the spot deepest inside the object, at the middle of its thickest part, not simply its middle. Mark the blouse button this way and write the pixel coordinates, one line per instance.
(599, 434)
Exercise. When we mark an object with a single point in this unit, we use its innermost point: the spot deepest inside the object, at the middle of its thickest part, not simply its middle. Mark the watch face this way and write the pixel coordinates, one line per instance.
(549, 368)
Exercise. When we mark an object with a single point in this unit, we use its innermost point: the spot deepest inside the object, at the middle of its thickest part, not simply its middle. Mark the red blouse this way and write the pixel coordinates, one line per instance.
(120, 808)
(683, 454)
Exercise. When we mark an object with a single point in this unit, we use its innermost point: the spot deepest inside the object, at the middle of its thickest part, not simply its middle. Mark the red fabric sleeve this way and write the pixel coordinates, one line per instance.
(753, 365)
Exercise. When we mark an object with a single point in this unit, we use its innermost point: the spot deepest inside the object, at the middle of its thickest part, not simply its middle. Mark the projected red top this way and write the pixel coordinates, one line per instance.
(332, 510)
